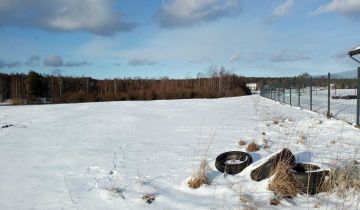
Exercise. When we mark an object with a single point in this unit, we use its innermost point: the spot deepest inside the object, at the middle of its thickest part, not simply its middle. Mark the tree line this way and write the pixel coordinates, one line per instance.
(302, 81)
(35, 88)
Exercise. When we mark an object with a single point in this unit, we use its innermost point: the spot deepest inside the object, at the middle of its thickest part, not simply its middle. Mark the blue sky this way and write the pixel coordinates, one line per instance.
(177, 38)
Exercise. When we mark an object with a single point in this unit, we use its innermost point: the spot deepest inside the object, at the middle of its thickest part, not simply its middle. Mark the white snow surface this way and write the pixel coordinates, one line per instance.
(109, 155)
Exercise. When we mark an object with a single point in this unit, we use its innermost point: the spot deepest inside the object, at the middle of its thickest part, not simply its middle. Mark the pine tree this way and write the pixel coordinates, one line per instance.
(34, 85)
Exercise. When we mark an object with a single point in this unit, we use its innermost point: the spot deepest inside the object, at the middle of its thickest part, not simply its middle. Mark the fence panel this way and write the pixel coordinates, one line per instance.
(335, 95)
(343, 92)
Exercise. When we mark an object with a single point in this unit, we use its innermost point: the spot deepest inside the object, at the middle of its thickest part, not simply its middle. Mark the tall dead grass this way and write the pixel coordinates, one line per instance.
(199, 175)
(343, 180)
(284, 183)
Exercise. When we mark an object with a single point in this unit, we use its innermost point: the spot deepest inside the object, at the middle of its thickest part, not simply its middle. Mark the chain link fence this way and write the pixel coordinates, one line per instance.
(335, 95)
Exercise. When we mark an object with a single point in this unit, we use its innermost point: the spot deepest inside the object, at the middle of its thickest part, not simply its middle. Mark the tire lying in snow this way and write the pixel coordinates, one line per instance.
(310, 176)
(267, 169)
(232, 162)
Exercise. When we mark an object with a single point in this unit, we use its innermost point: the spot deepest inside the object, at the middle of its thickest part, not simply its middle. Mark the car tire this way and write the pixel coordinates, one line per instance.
(310, 176)
(232, 162)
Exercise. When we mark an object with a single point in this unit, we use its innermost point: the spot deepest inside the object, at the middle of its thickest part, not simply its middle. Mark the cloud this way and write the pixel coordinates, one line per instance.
(94, 16)
(33, 61)
(185, 13)
(287, 56)
(281, 11)
(11, 64)
(235, 58)
(76, 63)
(142, 62)
(345, 7)
(53, 60)
(201, 60)
(57, 61)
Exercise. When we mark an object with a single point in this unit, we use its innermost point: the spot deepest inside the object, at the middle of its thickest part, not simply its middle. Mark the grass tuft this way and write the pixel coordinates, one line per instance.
(302, 138)
(275, 201)
(199, 175)
(149, 198)
(253, 147)
(343, 179)
(284, 183)
(242, 142)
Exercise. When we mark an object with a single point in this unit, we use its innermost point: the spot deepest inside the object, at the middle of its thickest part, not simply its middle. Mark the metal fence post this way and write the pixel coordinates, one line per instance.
(299, 93)
(328, 83)
(358, 98)
(290, 96)
(283, 92)
(311, 84)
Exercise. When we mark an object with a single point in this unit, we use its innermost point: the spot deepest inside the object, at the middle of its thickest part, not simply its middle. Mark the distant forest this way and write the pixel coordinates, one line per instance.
(34, 88)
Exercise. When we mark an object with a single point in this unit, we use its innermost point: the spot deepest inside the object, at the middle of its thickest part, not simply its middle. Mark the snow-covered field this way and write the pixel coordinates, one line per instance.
(108, 155)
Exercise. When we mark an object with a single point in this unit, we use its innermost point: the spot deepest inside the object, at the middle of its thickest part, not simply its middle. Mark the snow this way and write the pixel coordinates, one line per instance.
(109, 155)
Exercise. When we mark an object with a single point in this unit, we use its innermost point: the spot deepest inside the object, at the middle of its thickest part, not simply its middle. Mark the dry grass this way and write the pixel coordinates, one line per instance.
(242, 142)
(275, 201)
(343, 180)
(253, 147)
(317, 205)
(302, 138)
(243, 198)
(284, 183)
(329, 115)
(149, 197)
(199, 175)
(117, 192)
(249, 207)
(266, 143)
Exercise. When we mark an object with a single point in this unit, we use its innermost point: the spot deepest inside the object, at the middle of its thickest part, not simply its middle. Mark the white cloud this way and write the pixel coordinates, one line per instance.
(235, 58)
(282, 10)
(208, 44)
(76, 63)
(53, 60)
(183, 13)
(94, 16)
(11, 64)
(286, 56)
(57, 61)
(345, 7)
(33, 61)
(142, 62)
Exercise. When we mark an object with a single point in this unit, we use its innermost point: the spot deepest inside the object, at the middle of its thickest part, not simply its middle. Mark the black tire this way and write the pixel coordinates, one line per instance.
(241, 161)
(310, 176)
(267, 169)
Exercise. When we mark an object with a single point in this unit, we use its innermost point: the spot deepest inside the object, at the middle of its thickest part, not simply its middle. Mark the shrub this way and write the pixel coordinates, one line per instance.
(199, 175)
(253, 147)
